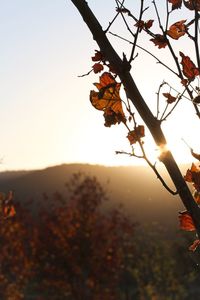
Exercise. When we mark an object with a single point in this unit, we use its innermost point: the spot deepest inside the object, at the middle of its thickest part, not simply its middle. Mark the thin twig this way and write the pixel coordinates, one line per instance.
(145, 50)
(137, 32)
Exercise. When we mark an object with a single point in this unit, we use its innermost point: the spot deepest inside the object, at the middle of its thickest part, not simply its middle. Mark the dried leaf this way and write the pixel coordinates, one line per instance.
(136, 134)
(186, 222)
(175, 3)
(159, 41)
(107, 99)
(170, 98)
(122, 10)
(193, 175)
(144, 25)
(196, 99)
(184, 82)
(97, 68)
(177, 30)
(189, 68)
(98, 56)
(192, 4)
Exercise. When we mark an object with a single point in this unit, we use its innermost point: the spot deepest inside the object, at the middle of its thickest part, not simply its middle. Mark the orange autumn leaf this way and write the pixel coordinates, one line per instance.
(189, 68)
(159, 41)
(97, 68)
(194, 245)
(175, 3)
(186, 222)
(170, 98)
(193, 175)
(107, 99)
(177, 30)
(136, 134)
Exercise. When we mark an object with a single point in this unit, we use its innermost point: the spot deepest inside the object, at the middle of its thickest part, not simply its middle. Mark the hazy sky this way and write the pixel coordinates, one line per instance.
(46, 116)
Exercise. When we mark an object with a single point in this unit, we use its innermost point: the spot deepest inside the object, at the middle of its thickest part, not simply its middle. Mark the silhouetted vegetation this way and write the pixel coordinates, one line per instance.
(75, 249)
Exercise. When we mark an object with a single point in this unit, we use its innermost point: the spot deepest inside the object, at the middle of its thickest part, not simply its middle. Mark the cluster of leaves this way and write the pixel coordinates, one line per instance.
(192, 176)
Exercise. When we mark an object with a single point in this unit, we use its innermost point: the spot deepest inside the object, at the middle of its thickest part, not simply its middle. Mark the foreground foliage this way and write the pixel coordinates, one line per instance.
(76, 247)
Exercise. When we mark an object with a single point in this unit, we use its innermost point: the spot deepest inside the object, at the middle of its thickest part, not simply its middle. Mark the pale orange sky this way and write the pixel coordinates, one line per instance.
(46, 116)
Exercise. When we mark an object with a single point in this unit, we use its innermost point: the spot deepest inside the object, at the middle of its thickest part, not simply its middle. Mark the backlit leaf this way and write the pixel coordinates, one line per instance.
(189, 68)
(193, 175)
(177, 30)
(108, 100)
(186, 222)
(136, 134)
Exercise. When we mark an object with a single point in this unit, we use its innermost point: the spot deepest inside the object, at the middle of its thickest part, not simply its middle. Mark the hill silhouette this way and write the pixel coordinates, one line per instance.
(137, 188)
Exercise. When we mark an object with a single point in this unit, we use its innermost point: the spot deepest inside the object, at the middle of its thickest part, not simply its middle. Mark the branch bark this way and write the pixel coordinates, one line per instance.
(123, 71)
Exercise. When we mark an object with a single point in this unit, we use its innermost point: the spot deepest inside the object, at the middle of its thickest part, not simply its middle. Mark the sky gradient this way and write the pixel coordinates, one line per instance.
(46, 116)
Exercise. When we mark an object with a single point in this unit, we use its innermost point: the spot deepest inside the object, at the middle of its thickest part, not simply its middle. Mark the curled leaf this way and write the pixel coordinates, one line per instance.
(136, 134)
(186, 222)
(189, 68)
(108, 100)
(177, 30)
(175, 3)
(160, 41)
(170, 98)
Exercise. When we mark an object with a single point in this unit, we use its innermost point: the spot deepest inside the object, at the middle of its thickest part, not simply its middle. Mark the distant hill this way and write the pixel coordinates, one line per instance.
(137, 188)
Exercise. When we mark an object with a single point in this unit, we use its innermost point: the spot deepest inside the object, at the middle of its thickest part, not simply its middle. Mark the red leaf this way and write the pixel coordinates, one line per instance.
(186, 222)
(189, 68)
(175, 3)
(170, 98)
(159, 41)
(97, 68)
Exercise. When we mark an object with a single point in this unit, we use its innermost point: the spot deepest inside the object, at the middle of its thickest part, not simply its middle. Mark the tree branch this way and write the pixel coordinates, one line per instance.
(122, 69)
